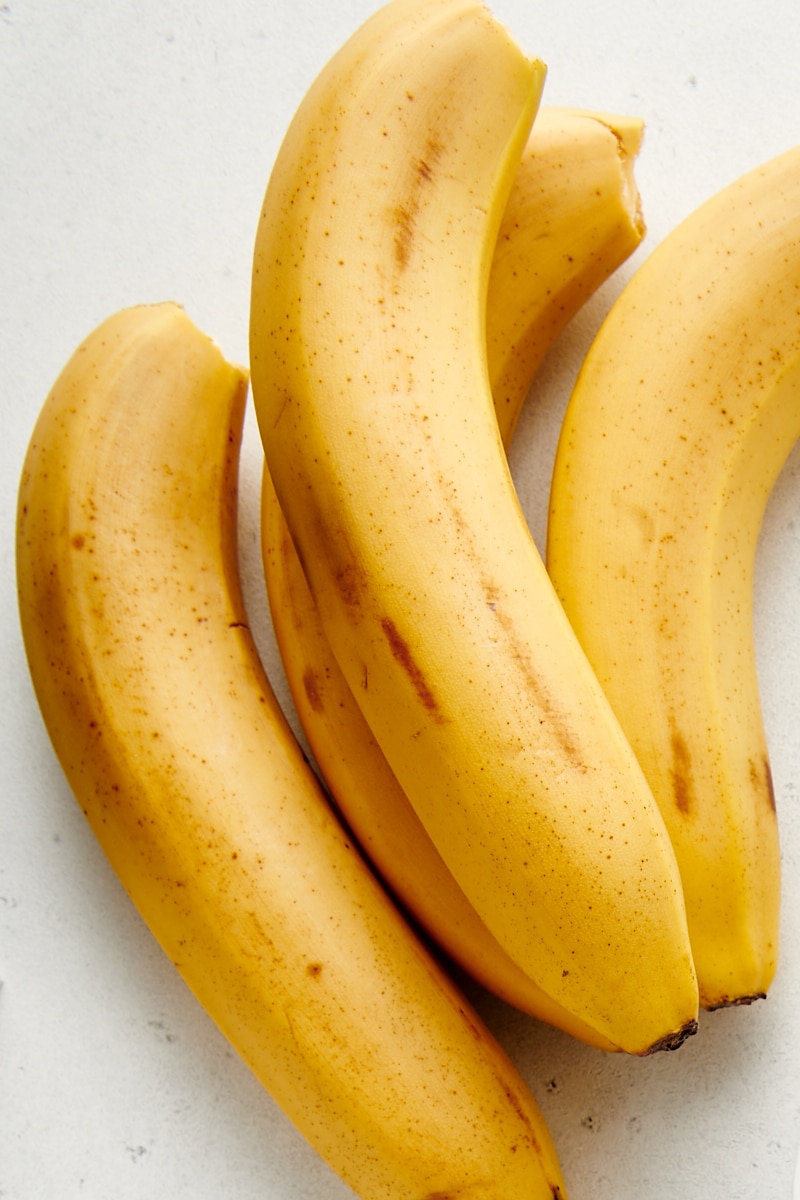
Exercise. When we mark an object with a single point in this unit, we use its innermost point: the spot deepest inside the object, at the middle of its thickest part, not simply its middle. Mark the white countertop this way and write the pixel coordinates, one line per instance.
(135, 144)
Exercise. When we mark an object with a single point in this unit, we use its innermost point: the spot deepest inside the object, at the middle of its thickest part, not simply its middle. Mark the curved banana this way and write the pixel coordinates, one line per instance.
(176, 749)
(371, 389)
(573, 216)
(369, 797)
(681, 418)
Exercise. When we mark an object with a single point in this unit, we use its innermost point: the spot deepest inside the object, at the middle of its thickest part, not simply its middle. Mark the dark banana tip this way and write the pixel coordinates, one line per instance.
(734, 1001)
(672, 1041)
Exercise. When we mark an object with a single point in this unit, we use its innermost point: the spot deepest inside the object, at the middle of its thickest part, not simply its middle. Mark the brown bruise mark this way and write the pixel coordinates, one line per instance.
(402, 653)
(519, 1108)
(312, 691)
(681, 772)
(471, 1026)
(78, 541)
(314, 969)
(405, 213)
(558, 721)
(283, 407)
(350, 580)
(518, 1104)
(404, 235)
(762, 782)
(349, 576)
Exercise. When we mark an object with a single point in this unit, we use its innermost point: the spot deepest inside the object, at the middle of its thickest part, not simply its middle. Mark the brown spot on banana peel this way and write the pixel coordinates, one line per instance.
(401, 651)
(681, 772)
(405, 213)
(312, 691)
(681, 776)
(404, 219)
(348, 574)
(762, 782)
(557, 719)
(517, 1104)
(350, 580)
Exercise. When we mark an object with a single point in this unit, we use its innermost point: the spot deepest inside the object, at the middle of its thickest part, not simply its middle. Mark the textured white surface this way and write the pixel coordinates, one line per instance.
(135, 143)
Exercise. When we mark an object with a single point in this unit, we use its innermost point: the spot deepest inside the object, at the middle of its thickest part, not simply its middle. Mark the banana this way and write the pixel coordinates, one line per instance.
(572, 217)
(371, 391)
(176, 749)
(369, 797)
(681, 418)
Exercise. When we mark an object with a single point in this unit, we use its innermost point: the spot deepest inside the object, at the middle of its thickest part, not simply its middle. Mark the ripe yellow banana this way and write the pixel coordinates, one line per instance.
(371, 388)
(682, 416)
(572, 217)
(166, 727)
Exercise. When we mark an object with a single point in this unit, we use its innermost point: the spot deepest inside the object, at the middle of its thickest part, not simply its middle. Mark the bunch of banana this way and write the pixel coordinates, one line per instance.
(370, 382)
(174, 745)
(572, 218)
(681, 419)
(563, 776)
